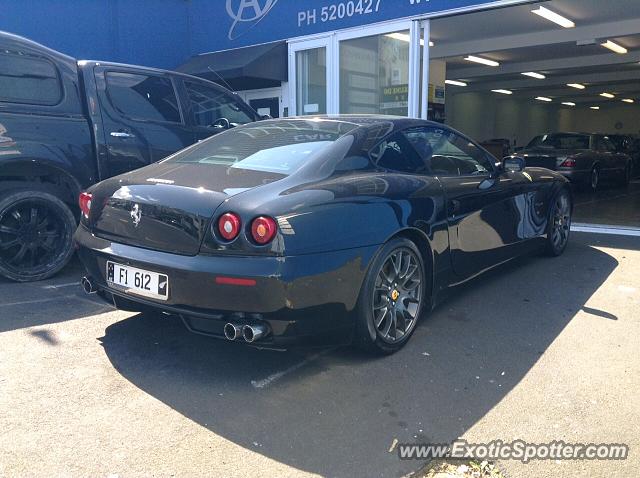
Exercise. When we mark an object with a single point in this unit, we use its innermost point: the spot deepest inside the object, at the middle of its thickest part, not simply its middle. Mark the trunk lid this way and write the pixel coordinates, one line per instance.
(167, 206)
(545, 157)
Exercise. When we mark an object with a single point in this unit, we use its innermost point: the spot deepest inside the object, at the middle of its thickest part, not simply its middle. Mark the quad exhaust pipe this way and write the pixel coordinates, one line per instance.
(88, 286)
(232, 331)
(250, 333)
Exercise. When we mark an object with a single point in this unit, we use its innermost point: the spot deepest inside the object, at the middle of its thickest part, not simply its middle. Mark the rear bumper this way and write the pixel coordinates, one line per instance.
(307, 298)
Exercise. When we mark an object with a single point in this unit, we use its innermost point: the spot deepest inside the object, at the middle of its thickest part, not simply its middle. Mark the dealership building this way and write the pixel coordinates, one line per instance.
(501, 71)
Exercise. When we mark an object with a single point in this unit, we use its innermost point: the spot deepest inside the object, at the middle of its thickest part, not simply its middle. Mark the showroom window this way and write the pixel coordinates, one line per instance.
(374, 74)
(367, 70)
(210, 105)
(143, 97)
(29, 80)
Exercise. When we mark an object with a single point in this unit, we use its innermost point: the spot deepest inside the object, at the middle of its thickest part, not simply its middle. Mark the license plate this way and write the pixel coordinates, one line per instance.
(137, 281)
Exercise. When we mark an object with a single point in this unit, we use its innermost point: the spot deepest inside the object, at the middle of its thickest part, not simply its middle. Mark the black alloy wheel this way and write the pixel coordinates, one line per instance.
(397, 294)
(36, 234)
(560, 224)
(392, 298)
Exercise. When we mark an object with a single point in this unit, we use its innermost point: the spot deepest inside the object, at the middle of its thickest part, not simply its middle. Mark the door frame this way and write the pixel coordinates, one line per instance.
(331, 42)
(325, 42)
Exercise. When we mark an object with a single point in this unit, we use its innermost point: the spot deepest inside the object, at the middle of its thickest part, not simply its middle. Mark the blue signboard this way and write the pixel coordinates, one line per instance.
(226, 24)
(164, 33)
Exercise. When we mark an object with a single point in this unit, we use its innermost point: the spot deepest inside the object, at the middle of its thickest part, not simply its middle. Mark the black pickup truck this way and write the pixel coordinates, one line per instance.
(66, 124)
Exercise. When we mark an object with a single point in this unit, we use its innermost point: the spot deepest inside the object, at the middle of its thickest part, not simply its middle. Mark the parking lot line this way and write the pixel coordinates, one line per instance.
(274, 377)
(60, 286)
(39, 301)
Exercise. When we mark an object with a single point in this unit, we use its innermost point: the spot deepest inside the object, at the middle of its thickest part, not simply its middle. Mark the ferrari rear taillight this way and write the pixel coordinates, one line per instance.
(84, 202)
(568, 163)
(229, 226)
(263, 229)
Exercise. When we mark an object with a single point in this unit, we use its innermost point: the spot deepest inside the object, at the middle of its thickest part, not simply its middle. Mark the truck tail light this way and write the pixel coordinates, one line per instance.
(229, 226)
(84, 201)
(263, 229)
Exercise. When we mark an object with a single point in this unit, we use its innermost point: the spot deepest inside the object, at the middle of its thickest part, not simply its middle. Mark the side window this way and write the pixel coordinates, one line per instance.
(397, 153)
(446, 153)
(28, 80)
(143, 97)
(210, 105)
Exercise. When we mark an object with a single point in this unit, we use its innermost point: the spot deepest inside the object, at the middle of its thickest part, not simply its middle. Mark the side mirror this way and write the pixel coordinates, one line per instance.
(514, 164)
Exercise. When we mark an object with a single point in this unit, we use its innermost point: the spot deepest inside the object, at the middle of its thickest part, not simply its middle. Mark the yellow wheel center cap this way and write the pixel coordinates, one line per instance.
(395, 294)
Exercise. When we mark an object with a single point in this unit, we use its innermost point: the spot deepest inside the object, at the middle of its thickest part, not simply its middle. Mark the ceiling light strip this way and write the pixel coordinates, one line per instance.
(554, 17)
(533, 74)
(483, 61)
(455, 83)
(614, 47)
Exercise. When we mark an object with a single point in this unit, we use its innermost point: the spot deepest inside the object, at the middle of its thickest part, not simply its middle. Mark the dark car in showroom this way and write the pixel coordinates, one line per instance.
(66, 124)
(628, 144)
(585, 159)
(308, 230)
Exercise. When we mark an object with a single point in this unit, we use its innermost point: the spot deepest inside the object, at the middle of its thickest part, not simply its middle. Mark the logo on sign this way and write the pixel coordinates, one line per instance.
(136, 215)
(246, 14)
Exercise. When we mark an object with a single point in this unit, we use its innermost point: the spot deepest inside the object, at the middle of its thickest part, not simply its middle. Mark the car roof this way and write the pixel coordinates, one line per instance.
(12, 40)
(152, 70)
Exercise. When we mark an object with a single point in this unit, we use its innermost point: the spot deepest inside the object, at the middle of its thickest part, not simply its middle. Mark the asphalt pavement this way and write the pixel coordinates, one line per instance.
(540, 350)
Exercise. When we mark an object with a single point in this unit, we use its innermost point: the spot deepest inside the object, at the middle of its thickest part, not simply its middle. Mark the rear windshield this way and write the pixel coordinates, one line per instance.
(560, 141)
(279, 147)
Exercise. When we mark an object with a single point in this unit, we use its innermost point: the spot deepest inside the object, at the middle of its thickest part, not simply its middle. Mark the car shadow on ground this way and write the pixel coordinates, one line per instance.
(47, 302)
(337, 412)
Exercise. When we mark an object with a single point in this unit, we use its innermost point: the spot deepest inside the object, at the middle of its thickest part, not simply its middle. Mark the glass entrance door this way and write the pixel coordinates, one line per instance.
(310, 63)
(311, 81)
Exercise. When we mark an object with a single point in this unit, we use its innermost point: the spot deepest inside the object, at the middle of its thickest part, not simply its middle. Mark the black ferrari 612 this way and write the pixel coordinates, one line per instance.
(315, 230)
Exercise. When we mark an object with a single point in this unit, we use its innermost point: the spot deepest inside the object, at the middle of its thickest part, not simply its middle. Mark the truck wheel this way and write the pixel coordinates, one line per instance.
(36, 235)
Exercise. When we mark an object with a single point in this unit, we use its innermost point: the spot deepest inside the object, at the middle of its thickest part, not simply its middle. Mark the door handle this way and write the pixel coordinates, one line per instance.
(122, 134)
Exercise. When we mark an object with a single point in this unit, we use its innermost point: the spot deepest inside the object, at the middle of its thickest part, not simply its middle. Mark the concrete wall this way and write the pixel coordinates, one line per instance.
(620, 118)
(484, 116)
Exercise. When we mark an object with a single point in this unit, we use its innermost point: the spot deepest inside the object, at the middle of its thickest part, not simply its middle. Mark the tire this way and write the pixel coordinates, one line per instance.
(36, 247)
(381, 299)
(626, 178)
(594, 180)
(559, 228)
